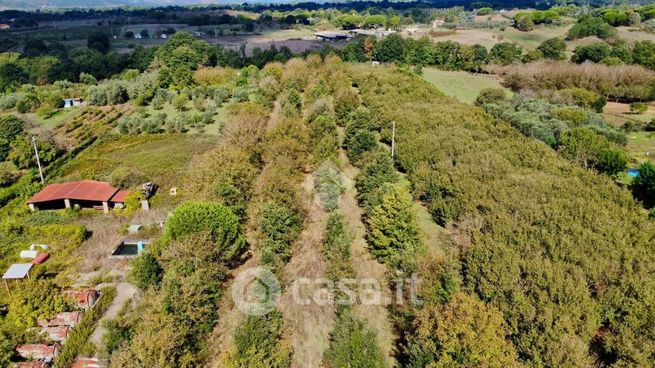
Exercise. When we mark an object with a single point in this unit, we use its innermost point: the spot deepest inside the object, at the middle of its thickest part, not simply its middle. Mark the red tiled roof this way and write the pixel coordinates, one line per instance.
(86, 363)
(85, 190)
(37, 351)
(120, 196)
(32, 364)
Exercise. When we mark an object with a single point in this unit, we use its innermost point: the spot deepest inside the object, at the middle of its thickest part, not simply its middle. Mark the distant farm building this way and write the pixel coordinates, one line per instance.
(85, 193)
(4, 26)
(332, 36)
(71, 102)
(372, 32)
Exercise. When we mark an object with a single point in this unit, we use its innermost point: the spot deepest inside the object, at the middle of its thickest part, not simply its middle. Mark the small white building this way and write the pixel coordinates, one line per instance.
(70, 102)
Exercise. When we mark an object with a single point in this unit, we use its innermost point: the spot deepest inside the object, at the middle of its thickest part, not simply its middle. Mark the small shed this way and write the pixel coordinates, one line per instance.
(332, 36)
(71, 102)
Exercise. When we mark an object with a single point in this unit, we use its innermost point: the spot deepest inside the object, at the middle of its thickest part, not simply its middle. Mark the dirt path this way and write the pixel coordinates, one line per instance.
(124, 292)
(376, 316)
(310, 324)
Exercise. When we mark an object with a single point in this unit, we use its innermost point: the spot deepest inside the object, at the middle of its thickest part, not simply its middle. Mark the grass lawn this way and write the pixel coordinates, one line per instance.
(161, 158)
(641, 147)
(461, 85)
(530, 40)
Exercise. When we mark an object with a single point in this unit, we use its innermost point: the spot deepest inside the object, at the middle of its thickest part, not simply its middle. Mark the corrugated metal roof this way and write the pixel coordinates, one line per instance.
(85, 190)
(17, 271)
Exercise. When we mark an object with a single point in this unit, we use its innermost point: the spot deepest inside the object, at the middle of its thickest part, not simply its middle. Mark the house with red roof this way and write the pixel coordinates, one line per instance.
(84, 193)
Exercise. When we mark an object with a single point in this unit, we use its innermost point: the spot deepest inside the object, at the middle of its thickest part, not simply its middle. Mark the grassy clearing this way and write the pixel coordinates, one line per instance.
(530, 40)
(641, 146)
(433, 235)
(461, 85)
(161, 158)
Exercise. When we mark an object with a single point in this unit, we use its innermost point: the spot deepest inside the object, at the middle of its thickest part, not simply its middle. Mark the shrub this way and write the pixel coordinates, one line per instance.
(328, 184)
(650, 127)
(219, 221)
(279, 227)
(146, 271)
(644, 184)
(490, 95)
(465, 332)
(591, 26)
(28, 103)
(10, 128)
(256, 344)
(393, 232)
(180, 101)
(8, 173)
(352, 344)
(553, 48)
(638, 107)
(611, 161)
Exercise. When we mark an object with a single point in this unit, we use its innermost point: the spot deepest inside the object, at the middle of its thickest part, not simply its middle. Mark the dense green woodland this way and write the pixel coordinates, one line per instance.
(564, 254)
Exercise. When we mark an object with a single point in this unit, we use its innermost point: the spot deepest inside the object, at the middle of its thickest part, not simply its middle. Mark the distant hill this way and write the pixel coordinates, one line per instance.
(52, 4)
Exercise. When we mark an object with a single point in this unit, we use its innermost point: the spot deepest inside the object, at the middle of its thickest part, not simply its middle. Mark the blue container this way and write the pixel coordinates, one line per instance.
(633, 173)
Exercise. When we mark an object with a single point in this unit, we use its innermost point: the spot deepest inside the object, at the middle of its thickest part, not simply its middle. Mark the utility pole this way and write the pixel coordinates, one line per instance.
(38, 161)
(393, 139)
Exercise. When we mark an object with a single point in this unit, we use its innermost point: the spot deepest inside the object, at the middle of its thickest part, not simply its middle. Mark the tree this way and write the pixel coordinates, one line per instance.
(11, 76)
(612, 161)
(582, 145)
(553, 48)
(10, 128)
(353, 344)
(279, 226)
(128, 35)
(88, 79)
(391, 49)
(144, 33)
(638, 107)
(22, 152)
(98, 41)
(393, 234)
(146, 271)
(644, 184)
(180, 101)
(36, 299)
(218, 220)
(505, 53)
(595, 52)
(463, 333)
(644, 53)
(490, 95)
(363, 141)
(524, 22)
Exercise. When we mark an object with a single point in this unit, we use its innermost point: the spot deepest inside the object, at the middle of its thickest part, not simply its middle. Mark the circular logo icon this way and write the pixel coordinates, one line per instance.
(255, 291)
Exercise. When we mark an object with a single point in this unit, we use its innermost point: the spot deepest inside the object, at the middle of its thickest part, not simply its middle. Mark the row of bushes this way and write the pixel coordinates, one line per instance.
(580, 135)
(623, 82)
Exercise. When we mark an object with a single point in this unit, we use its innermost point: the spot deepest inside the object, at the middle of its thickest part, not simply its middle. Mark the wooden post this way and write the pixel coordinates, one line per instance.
(7, 286)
